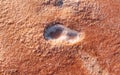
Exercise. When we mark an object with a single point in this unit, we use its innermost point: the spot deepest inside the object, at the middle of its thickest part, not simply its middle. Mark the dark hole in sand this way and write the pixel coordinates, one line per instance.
(58, 3)
(53, 32)
(54, 2)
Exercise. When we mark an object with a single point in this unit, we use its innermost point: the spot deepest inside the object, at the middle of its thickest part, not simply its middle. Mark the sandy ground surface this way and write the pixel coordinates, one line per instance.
(24, 50)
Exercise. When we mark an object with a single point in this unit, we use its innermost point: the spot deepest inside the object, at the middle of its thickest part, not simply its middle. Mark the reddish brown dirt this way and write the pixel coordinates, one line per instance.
(24, 51)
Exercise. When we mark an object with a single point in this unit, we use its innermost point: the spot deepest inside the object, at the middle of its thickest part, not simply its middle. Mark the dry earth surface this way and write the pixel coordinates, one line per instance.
(25, 51)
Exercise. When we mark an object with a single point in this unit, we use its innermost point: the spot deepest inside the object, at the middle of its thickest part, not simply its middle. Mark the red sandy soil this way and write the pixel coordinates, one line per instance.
(24, 51)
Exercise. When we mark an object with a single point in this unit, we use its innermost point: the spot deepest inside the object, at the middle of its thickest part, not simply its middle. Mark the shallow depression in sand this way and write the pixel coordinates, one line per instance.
(59, 34)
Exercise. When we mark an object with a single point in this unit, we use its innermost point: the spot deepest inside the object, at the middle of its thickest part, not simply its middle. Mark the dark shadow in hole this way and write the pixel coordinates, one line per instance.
(58, 3)
(54, 34)
(54, 2)
(71, 34)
